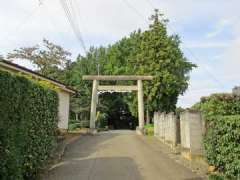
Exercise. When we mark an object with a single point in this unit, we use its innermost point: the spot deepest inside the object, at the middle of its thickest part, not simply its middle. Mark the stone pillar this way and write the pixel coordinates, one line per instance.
(236, 91)
(93, 104)
(140, 105)
(167, 128)
(161, 125)
(191, 131)
(173, 134)
(155, 120)
(63, 110)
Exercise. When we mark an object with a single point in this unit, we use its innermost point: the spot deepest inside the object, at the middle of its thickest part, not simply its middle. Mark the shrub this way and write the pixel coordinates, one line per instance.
(73, 126)
(222, 144)
(149, 129)
(219, 104)
(215, 177)
(28, 123)
(222, 140)
(102, 121)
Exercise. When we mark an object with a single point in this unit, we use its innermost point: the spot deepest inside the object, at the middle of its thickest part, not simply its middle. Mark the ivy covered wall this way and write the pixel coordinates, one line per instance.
(28, 124)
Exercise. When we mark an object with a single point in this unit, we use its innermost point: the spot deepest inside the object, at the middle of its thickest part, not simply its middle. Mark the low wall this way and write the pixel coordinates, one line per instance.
(63, 110)
(192, 130)
(187, 131)
(165, 128)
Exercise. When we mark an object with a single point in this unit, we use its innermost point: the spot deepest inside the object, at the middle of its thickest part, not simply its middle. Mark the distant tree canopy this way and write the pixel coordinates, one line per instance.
(50, 59)
(150, 52)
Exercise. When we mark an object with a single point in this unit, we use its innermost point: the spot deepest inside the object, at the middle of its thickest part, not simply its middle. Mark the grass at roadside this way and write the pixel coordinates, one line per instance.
(149, 129)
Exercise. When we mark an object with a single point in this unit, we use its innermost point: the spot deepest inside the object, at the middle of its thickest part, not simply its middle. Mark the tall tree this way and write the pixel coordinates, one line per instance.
(160, 55)
(151, 52)
(50, 59)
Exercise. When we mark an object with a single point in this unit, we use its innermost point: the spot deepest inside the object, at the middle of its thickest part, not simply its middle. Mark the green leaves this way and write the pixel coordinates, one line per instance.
(222, 141)
(49, 59)
(149, 52)
(219, 104)
(222, 145)
(164, 60)
(28, 122)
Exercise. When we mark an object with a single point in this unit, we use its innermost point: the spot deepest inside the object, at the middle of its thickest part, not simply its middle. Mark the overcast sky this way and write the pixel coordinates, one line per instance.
(209, 31)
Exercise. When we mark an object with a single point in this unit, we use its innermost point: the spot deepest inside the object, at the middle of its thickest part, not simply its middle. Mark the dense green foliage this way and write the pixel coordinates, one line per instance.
(216, 177)
(151, 52)
(28, 122)
(222, 140)
(219, 104)
(102, 121)
(222, 144)
(116, 111)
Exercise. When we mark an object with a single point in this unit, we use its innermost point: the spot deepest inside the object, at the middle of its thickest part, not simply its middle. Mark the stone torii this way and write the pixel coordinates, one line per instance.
(96, 87)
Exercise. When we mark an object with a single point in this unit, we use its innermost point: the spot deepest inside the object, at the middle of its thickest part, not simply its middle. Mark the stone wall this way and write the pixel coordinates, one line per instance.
(191, 125)
(63, 110)
(165, 128)
(187, 131)
(236, 90)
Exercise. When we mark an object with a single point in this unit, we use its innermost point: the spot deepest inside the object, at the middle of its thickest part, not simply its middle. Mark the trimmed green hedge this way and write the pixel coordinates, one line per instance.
(219, 104)
(222, 140)
(28, 123)
(222, 145)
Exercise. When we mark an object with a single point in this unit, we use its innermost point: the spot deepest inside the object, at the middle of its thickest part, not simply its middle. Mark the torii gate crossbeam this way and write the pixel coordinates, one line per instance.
(96, 87)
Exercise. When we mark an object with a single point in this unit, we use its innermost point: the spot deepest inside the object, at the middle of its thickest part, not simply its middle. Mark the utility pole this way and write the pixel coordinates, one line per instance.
(97, 65)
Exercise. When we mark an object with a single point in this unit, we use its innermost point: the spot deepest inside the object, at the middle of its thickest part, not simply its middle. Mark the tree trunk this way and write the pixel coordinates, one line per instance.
(76, 115)
(148, 117)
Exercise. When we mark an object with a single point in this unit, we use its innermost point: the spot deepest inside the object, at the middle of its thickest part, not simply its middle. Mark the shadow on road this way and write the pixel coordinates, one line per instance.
(105, 168)
(83, 161)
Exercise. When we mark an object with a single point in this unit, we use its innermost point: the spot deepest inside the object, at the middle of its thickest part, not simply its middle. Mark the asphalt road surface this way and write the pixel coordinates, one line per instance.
(118, 155)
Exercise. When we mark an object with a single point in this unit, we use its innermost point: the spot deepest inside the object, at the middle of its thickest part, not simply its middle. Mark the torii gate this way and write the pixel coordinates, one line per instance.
(96, 87)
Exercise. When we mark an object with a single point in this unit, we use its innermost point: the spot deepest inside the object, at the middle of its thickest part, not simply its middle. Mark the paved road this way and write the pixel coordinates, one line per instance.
(118, 155)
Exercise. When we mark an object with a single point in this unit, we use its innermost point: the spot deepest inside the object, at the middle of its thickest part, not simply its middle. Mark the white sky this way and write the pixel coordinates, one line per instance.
(209, 30)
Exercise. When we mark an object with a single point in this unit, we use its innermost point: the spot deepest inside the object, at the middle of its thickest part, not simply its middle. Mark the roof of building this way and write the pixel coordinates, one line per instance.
(15, 67)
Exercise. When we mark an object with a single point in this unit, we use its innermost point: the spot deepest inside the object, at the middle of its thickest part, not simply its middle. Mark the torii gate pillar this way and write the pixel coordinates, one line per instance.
(93, 104)
(138, 88)
(140, 105)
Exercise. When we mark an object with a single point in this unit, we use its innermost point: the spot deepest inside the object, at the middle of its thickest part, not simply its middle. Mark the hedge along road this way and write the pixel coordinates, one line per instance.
(118, 155)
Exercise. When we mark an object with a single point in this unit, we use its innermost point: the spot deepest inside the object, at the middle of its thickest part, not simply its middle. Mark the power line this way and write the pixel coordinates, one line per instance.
(29, 16)
(198, 60)
(189, 50)
(76, 14)
(24, 21)
(51, 21)
(69, 18)
(70, 14)
(150, 3)
(133, 8)
(75, 24)
(79, 17)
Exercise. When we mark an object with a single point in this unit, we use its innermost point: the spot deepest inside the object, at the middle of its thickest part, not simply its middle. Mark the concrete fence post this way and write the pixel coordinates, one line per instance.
(155, 120)
(161, 126)
(172, 128)
(167, 128)
(166, 135)
(158, 123)
(191, 133)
